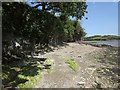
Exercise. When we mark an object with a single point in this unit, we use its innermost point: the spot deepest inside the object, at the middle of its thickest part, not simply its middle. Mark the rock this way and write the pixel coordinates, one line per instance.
(41, 62)
(79, 56)
(80, 83)
(17, 44)
(97, 85)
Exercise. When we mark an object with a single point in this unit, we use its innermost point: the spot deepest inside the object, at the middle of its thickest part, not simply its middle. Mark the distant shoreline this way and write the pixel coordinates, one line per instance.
(102, 38)
(99, 45)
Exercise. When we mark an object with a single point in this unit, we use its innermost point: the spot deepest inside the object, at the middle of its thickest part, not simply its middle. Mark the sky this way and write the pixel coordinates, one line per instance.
(102, 18)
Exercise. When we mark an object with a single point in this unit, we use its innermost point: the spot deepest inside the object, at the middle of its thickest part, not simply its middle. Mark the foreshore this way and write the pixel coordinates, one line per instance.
(98, 67)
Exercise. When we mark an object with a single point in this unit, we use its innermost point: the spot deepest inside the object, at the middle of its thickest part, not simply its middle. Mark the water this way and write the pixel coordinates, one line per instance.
(112, 43)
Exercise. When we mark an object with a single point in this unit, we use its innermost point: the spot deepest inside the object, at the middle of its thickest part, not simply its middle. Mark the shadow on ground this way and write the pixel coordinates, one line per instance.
(12, 71)
(26, 68)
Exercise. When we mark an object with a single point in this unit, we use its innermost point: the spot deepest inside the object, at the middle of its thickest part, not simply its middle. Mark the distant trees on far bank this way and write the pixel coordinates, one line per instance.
(102, 38)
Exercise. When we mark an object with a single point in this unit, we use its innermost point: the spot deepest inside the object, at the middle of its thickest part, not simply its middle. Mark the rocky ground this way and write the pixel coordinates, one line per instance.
(98, 67)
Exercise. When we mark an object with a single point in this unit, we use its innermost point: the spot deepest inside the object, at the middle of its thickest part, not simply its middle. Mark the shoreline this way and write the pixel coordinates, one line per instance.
(88, 57)
(99, 45)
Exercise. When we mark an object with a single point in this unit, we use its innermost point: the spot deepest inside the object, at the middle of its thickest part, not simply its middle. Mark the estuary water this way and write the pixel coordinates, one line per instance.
(112, 43)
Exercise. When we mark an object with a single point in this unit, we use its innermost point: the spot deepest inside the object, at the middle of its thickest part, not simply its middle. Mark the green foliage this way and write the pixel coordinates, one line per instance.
(26, 76)
(32, 81)
(72, 64)
(30, 27)
(79, 32)
(69, 30)
(35, 25)
(21, 74)
(75, 9)
(38, 27)
(49, 64)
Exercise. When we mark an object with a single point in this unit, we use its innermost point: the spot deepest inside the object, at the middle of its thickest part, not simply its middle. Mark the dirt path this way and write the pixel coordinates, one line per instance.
(62, 76)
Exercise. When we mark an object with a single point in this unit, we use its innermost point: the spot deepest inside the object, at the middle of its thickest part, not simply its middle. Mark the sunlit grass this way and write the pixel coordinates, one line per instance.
(72, 64)
(27, 76)
(49, 65)
(32, 80)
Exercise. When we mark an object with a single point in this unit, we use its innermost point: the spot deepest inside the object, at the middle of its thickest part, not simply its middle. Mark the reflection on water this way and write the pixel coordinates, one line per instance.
(112, 43)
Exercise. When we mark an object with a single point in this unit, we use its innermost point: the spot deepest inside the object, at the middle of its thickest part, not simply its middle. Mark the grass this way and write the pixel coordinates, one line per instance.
(72, 64)
(32, 81)
(49, 65)
(27, 76)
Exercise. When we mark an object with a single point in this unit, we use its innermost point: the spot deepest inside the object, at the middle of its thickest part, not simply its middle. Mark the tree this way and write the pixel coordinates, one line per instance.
(36, 26)
(79, 32)
(74, 9)
(69, 30)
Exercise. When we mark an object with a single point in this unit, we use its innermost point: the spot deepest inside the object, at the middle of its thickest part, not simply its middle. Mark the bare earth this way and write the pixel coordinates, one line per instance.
(87, 76)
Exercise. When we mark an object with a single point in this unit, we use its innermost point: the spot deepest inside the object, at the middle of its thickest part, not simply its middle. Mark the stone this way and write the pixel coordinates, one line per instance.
(79, 56)
(80, 83)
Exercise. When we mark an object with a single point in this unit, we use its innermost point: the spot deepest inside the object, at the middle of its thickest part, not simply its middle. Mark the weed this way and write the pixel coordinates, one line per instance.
(72, 64)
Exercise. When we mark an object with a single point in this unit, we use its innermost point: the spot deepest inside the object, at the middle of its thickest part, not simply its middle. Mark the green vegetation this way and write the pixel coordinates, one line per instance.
(30, 27)
(28, 31)
(72, 64)
(71, 32)
(49, 65)
(102, 38)
(32, 80)
(26, 76)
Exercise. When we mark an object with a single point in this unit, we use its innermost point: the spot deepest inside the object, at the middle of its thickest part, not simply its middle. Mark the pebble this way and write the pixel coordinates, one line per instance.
(79, 56)
(80, 83)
